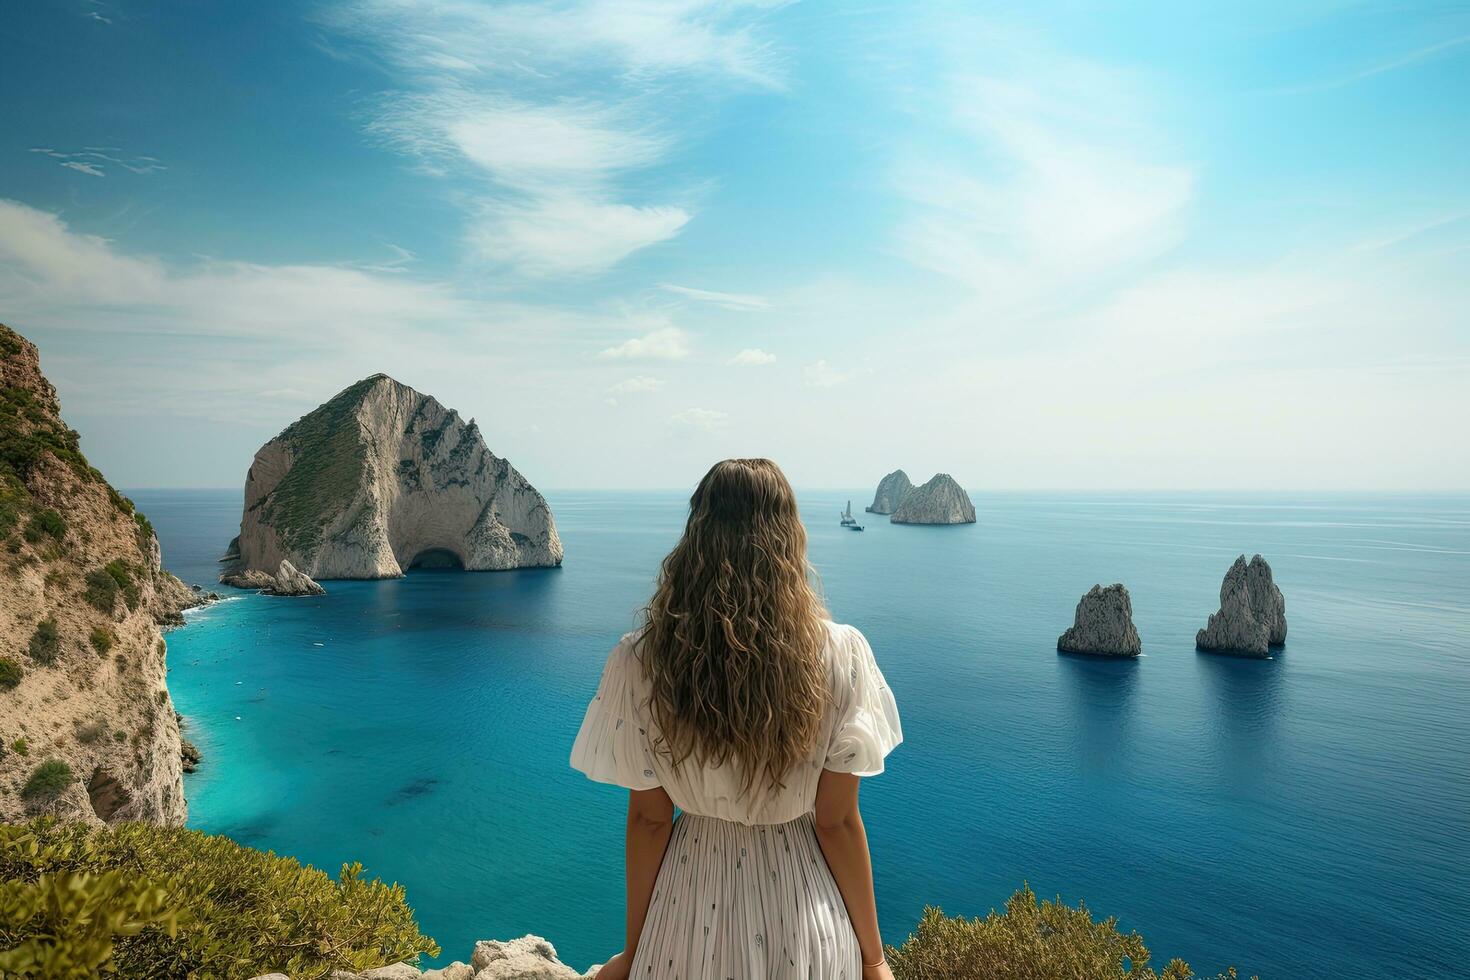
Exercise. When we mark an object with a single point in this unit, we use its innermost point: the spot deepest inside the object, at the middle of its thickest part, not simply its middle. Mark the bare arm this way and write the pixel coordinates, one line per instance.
(844, 843)
(650, 823)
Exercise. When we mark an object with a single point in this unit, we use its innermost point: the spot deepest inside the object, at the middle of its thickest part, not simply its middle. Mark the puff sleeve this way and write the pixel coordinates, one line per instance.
(867, 726)
(612, 745)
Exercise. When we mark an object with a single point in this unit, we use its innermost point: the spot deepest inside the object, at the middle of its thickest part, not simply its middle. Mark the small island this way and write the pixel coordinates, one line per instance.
(890, 493)
(1252, 615)
(940, 501)
(379, 480)
(1103, 625)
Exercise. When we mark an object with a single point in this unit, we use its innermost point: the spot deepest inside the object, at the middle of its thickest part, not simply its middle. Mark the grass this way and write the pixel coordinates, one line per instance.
(45, 643)
(326, 469)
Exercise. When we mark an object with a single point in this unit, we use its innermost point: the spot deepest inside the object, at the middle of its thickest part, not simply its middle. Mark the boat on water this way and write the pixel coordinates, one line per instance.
(848, 521)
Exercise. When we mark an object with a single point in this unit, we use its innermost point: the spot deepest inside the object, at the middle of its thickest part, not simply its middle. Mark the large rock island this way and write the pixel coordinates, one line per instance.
(1103, 624)
(87, 728)
(940, 501)
(890, 493)
(382, 479)
(1252, 615)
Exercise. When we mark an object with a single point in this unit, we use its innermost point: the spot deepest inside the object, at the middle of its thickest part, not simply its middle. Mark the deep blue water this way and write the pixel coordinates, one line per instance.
(1304, 816)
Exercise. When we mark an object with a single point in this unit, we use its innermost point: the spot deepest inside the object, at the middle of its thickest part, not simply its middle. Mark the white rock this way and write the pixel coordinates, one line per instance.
(1103, 624)
(890, 493)
(454, 971)
(387, 477)
(271, 976)
(394, 971)
(940, 501)
(527, 958)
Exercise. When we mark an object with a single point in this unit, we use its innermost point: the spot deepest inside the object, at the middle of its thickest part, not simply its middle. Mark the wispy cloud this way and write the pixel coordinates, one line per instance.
(632, 386)
(752, 357)
(1061, 179)
(663, 344)
(820, 374)
(699, 419)
(730, 301)
(482, 97)
(94, 160)
(1389, 64)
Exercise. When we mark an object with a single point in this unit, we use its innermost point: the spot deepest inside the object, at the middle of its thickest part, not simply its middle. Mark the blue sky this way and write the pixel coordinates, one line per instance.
(1054, 245)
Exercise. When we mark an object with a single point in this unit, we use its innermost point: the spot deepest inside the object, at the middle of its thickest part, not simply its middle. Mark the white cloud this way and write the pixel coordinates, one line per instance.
(820, 374)
(545, 175)
(663, 344)
(632, 386)
(569, 235)
(729, 301)
(701, 419)
(752, 357)
(90, 169)
(1062, 181)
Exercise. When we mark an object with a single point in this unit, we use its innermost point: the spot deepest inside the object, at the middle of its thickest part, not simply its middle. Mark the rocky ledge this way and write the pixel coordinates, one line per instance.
(890, 493)
(527, 958)
(288, 581)
(381, 479)
(940, 501)
(1252, 615)
(1103, 625)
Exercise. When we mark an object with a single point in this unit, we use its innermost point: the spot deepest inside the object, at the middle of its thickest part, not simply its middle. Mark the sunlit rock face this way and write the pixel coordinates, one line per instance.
(381, 479)
(940, 501)
(891, 490)
(1252, 615)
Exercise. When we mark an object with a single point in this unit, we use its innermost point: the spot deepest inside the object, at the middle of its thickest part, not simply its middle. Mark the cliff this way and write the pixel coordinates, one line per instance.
(890, 493)
(940, 501)
(87, 729)
(383, 478)
(1252, 615)
(1103, 624)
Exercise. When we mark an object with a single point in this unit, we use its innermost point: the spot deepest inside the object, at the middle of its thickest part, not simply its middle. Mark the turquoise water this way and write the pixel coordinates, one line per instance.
(1302, 816)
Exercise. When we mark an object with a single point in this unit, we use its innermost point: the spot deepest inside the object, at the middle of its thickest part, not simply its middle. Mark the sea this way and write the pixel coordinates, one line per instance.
(1302, 816)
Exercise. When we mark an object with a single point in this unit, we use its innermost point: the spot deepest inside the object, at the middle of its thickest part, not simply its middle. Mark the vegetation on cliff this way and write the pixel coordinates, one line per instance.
(164, 902)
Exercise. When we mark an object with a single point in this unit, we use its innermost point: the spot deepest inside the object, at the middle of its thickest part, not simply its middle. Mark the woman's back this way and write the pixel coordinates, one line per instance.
(618, 740)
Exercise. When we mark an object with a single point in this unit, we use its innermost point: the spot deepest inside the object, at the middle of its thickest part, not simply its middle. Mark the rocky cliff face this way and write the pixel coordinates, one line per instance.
(1252, 615)
(890, 493)
(1103, 624)
(527, 958)
(87, 729)
(382, 478)
(940, 501)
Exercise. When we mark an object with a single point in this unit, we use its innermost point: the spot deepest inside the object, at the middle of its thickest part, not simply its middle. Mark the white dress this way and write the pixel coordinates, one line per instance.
(744, 892)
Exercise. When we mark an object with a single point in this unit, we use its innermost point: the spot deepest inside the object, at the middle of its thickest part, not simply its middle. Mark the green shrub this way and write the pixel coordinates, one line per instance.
(1030, 941)
(101, 640)
(118, 571)
(20, 746)
(45, 642)
(9, 511)
(45, 523)
(239, 912)
(10, 674)
(101, 590)
(47, 780)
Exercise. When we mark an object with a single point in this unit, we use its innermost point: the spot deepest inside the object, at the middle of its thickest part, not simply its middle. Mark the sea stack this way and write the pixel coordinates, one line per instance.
(891, 490)
(382, 479)
(940, 501)
(1103, 625)
(87, 726)
(1252, 616)
(288, 581)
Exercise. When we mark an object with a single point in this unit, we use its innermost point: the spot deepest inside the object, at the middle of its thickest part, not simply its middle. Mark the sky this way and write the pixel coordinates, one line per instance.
(1058, 246)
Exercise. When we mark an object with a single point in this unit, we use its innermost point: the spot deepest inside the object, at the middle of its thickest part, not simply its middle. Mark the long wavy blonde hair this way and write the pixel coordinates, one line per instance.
(733, 636)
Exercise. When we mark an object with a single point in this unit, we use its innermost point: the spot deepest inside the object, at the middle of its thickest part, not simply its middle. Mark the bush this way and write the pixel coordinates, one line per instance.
(48, 780)
(10, 674)
(45, 523)
(101, 640)
(239, 912)
(45, 642)
(20, 746)
(101, 590)
(118, 571)
(1046, 941)
(90, 732)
